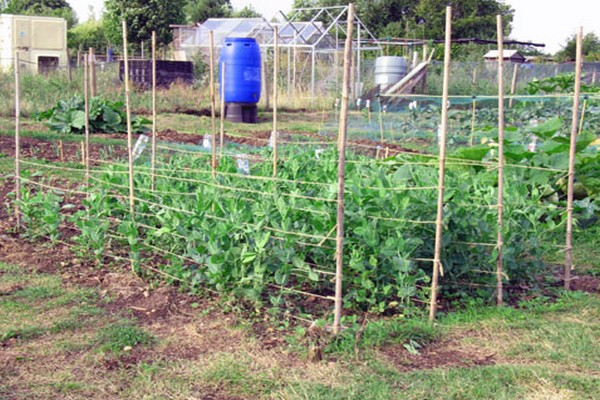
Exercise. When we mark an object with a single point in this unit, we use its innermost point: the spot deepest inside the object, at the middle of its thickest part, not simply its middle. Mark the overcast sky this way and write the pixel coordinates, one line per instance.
(545, 21)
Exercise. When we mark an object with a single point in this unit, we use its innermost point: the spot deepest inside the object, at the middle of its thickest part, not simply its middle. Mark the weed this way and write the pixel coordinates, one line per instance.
(116, 337)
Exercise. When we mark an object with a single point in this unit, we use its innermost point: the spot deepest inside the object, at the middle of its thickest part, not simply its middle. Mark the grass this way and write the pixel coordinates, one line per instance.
(121, 336)
(59, 336)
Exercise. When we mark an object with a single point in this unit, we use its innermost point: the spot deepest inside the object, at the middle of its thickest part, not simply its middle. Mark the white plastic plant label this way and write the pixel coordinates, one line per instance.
(139, 146)
(243, 164)
(207, 142)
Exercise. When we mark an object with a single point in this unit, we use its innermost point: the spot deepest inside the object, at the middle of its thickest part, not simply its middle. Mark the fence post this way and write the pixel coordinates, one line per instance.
(339, 248)
(128, 111)
(437, 264)
(17, 142)
(571, 174)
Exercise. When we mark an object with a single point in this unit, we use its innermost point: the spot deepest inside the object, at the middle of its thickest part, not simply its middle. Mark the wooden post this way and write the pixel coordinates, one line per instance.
(474, 78)
(86, 107)
(571, 174)
(213, 122)
(513, 85)
(17, 142)
(92, 73)
(128, 111)
(339, 248)
(154, 128)
(222, 130)
(437, 264)
(500, 233)
(275, 73)
(79, 57)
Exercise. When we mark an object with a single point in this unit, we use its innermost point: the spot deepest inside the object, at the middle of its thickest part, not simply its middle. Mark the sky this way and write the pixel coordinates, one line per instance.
(541, 21)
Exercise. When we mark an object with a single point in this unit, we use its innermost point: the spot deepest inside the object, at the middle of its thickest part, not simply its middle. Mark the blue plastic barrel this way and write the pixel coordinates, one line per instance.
(241, 57)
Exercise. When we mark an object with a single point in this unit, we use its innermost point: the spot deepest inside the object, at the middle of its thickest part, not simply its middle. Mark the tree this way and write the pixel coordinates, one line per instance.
(47, 8)
(590, 48)
(198, 11)
(246, 12)
(86, 35)
(142, 17)
(425, 18)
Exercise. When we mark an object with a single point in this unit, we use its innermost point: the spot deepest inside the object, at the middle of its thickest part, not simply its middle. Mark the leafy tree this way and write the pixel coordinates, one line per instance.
(590, 48)
(198, 11)
(142, 17)
(425, 18)
(86, 35)
(246, 12)
(47, 8)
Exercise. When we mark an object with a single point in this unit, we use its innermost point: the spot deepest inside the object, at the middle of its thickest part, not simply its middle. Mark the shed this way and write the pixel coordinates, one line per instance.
(40, 41)
(508, 55)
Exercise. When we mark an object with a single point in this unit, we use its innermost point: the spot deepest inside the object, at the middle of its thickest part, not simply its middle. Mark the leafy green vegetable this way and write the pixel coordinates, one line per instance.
(68, 116)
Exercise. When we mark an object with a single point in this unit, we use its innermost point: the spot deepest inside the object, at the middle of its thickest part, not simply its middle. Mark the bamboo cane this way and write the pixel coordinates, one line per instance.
(275, 73)
(92, 73)
(437, 265)
(339, 249)
(222, 130)
(86, 105)
(473, 114)
(500, 233)
(571, 174)
(128, 111)
(154, 127)
(213, 122)
(17, 142)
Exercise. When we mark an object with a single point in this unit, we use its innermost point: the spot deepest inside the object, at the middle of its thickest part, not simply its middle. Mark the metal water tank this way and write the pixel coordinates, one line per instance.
(389, 69)
(241, 57)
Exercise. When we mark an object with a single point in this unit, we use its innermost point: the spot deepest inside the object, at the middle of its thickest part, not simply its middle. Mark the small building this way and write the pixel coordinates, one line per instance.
(509, 55)
(40, 41)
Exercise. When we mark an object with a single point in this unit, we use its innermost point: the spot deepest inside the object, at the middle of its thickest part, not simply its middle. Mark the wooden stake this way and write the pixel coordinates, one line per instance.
(17, 142)
(437, 264)
(154, 128)
(500, 233)
(222, 130)
(473, 114)
(571, 174)
(86, 107)
(339, 248)
(275, 73)
(128, 111)
(61, 151)
(380, 121)
(213, 122)
(82, 146)
(69, 72)
(513, 85)
(92, 73)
